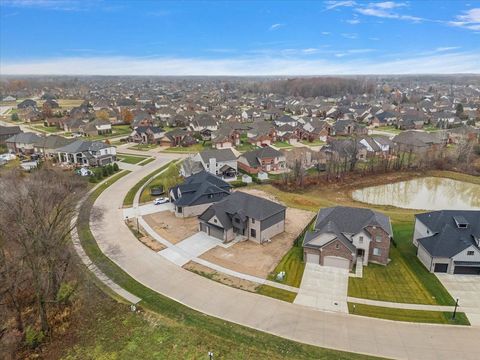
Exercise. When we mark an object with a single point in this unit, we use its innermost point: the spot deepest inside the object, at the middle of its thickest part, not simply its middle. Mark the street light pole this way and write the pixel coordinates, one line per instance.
(455, 310)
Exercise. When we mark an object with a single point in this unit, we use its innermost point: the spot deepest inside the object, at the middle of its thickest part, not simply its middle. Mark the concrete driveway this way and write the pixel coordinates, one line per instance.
(465, 288)
(324, 288)
(145, 210)
(190, 248)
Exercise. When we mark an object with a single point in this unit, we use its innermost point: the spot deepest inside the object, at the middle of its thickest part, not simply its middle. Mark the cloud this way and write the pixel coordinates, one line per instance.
(446, 48)
(469, 20)
(336, 4)
(275, 27)
(110, 65)
(353, 21)
(351, 36)
(388, 5)
(63, 5)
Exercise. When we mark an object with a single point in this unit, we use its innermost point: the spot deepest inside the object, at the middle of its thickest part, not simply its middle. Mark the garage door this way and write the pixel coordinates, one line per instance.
(467, 270)
(313, 258)
(440, 268)
(216, 232)
(336, 261)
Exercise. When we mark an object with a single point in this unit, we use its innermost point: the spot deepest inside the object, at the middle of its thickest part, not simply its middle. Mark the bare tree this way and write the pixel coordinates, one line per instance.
(35, 228)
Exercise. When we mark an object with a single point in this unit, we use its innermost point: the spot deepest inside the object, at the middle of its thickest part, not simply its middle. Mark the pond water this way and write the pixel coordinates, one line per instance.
(429, 193)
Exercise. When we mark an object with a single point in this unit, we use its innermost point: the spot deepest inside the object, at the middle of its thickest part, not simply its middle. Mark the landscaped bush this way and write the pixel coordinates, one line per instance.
(238, 183)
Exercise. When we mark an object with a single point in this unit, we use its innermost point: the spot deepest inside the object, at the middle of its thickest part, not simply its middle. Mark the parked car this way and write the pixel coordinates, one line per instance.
(161, 200)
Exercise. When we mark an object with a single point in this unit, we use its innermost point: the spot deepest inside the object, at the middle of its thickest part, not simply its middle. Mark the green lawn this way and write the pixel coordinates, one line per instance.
(195, 148)
(143, 147)
(128, 201)
(293, 265)
(167, 179)
(130, 159)
(313, 143)
(420, 316)
(245, 146)
(47, 129)
(390, 129)
(147, 161)
(276, 293)
(282, 144)
(175, 331)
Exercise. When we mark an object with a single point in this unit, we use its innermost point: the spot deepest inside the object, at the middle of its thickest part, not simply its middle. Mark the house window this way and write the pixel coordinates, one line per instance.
(215, 220)
(337, 246)
(378, 238)
(360, 240)
(237, 220)
(210, 196)
(470, 253)
(179, 209)
(253, 233)
(377, 251)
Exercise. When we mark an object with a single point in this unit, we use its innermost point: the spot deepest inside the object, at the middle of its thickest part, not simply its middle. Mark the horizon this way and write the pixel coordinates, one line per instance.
(245, 39)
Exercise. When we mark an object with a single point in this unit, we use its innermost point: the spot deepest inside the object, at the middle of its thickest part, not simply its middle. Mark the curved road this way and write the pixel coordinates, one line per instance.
(331, 330)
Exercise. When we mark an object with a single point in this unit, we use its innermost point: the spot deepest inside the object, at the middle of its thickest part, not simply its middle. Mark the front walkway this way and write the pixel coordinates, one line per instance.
(324, 288)
(465, 288)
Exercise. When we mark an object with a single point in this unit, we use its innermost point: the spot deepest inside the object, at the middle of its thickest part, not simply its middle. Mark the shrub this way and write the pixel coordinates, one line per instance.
(33, 337)
(65, 292)
(104, 171)
(109, 169)
(115, 167)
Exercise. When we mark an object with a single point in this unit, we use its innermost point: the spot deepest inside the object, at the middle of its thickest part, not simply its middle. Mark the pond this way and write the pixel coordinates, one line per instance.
(429, 193)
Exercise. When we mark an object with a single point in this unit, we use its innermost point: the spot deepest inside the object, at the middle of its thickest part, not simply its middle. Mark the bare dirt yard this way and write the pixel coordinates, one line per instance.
(171, 228)
(144, 238)
(222, 278)
(259, 260)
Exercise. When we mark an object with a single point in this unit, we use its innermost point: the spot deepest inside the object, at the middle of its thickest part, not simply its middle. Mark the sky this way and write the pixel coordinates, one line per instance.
(109, 37)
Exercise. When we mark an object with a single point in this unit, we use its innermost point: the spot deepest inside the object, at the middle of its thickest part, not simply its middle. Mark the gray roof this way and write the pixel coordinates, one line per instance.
(243, 205)
(24, 138)
(82, 146)
(418, 138)
(10, 130)
(448, 239)
(264, 152)
(218, 154)
(342, 220)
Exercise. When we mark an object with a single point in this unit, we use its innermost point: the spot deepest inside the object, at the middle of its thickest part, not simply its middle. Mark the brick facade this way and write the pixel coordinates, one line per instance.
(383, 245)
(336, 248)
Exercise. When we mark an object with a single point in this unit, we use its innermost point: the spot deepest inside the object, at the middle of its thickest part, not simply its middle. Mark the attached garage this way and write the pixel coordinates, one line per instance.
(440, 268)
(467, 269)
(212, 230)
(313, 258)
(336, 261)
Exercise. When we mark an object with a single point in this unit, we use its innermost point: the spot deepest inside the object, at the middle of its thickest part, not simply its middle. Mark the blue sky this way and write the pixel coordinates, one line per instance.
(238, 38)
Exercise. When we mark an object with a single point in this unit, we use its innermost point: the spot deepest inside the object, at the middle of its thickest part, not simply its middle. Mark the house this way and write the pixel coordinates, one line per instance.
(96, 127)
(348, 127)
(344, 150)
(147, 135)
(226, 137)
(285, 120)
(222, 163)
(7, 132)
(197, 193)
(377, 145)
(344, 236)
(47, 145)
(27, 103)
(245, 216)
(315, 130)
(264, 159)
(448, 241)
(464, 133)
(384, 118)
(178, 137)
(203, 121)
(261, 133)
(419, 142)
(22, 143)
(91, 153)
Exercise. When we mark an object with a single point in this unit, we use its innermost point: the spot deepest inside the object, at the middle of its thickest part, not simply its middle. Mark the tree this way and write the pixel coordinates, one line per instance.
(127, 116)
(35, 226)
(459, 109)
(102, 114)
(15, 117)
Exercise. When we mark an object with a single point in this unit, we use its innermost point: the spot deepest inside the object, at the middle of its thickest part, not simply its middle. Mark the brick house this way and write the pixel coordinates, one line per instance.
(344, 236)
(265, 159)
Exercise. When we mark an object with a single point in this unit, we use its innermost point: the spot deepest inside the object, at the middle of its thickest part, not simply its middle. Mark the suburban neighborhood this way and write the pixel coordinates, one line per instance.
(306, 186)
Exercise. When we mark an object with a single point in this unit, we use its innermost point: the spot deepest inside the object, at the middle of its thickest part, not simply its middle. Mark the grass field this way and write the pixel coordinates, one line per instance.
(131, 159)
(276, 293)
(195, 148)
(147, 161)
(46, 129)
(174, 331)
(313, 143)
(143, 147)
(128, 201)
(293, 265)
(170, 177)
(419, 316)
(282, 145)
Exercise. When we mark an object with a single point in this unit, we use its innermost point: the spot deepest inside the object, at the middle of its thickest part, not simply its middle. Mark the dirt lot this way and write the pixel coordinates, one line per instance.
(259, 260)
(171, 228)
(144, 238)
(222, 278)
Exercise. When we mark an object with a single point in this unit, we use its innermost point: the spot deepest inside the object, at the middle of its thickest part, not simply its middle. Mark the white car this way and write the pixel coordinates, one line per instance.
(159, 201)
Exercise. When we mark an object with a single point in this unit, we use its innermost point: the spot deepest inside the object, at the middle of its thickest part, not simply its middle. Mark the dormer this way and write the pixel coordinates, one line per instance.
(461, 222)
